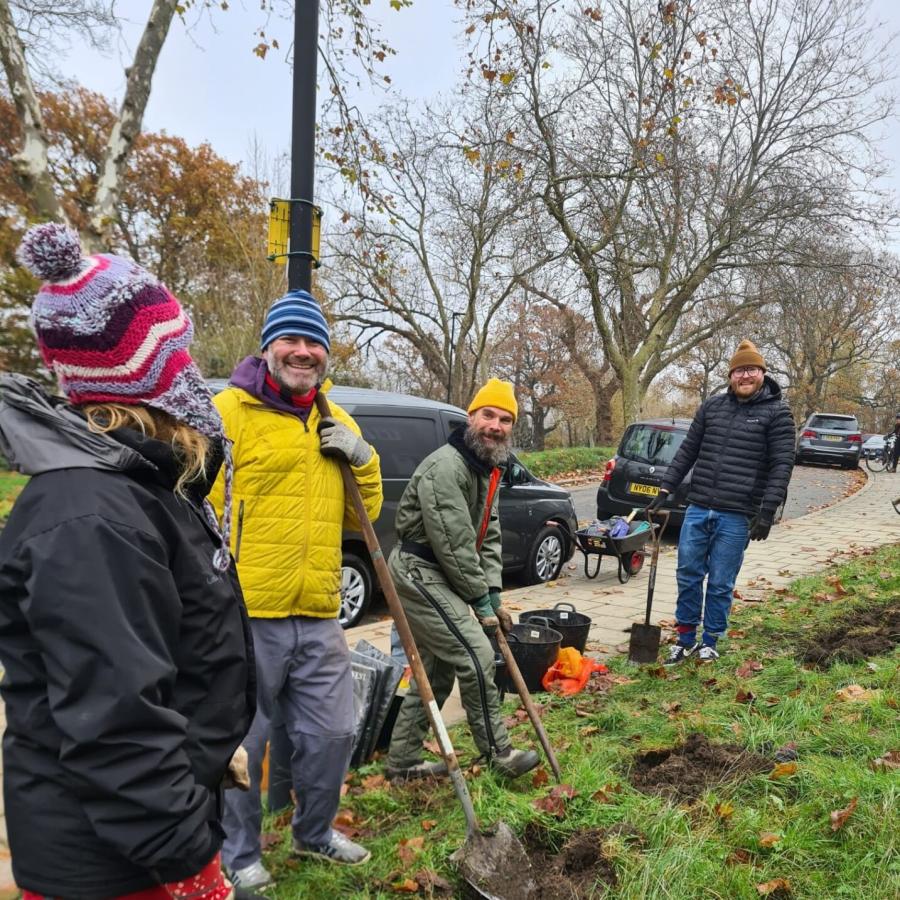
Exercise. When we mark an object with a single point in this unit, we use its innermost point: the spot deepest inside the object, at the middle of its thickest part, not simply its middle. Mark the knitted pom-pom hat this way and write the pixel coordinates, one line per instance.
(112, 333)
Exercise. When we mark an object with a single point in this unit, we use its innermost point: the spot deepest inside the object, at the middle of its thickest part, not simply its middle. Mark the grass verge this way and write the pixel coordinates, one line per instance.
(567, 462)
(11, 484)
(782, 833)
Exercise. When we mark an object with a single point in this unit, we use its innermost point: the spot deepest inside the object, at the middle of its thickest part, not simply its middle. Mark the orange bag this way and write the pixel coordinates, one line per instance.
(571, 671)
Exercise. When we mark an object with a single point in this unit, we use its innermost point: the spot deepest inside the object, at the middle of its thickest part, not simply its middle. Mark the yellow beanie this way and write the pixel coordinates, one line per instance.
(746, 355)
(496, 393)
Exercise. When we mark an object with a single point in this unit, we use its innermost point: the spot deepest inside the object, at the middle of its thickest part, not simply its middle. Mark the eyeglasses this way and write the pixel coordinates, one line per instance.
(752, 371)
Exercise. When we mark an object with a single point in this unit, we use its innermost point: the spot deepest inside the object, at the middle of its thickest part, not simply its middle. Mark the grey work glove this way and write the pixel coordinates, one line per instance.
(341, 442)
(656, 503)
(759, 526)
(484, 610)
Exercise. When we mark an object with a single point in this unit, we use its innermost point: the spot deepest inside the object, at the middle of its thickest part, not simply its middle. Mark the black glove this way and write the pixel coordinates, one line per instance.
(760, 525)
(656, 503)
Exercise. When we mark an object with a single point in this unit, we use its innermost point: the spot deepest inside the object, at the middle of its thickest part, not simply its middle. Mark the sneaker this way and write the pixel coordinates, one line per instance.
(255, 875)
(707, 654)
(679, 653)
(420, 770)
(514, 763)
(339, 849)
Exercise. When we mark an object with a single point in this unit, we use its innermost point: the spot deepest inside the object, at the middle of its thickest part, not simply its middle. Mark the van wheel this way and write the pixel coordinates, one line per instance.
(545, 558)
(356, 589)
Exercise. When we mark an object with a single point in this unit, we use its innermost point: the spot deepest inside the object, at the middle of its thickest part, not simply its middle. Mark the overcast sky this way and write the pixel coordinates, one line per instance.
(209, 86)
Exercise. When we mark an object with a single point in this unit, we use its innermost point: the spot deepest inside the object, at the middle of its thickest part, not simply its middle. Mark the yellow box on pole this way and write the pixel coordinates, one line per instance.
(278, 249)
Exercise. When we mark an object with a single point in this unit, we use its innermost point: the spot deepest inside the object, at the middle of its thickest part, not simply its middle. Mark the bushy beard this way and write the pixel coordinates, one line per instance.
(491, 452)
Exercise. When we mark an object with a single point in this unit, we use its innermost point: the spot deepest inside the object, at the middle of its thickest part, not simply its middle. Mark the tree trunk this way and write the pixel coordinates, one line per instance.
(31, 163)
(128, 125)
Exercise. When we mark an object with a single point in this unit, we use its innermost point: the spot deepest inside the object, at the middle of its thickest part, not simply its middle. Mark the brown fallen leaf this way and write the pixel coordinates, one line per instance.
(768, 838)
(374, 782)
(839, 816)
(270, 839)
(723, 810)
(743, 696)
(555, 802)
(890, 760)
(346, 822)
(432, 883)
(428, 824)
(540, 777)
(589, 730)
(432, 747)
(749, 668)
(407, 886)
(674, 706)
(836, 583)
(854, 693)
(776, 884)
(739, 857)
(783, 770)
(737, 633)
(605, 794)
(409, 848)
(738, 595)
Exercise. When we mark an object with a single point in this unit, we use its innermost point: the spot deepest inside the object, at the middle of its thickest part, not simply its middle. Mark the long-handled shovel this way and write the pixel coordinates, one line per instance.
(512, 668)
(644, 644)
(493, 862)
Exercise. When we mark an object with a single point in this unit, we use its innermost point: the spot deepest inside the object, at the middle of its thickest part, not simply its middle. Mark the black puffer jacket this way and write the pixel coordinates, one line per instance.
(742, 453)
(129, 677)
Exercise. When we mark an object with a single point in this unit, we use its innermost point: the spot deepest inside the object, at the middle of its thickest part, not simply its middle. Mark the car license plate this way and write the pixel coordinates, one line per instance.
(832, 437)
(647, 489)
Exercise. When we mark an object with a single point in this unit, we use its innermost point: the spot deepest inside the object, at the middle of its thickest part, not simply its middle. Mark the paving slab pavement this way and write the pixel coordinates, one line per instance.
(799, 547)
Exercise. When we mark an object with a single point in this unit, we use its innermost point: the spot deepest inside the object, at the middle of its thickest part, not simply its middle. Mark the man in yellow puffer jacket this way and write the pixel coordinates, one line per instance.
(291, 509)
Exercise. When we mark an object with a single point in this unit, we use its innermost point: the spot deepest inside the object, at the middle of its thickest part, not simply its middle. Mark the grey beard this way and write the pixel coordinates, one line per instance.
(492, 454)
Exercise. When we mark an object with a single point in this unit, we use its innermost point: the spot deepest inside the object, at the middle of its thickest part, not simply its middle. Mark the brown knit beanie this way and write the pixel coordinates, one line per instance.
(746, 355)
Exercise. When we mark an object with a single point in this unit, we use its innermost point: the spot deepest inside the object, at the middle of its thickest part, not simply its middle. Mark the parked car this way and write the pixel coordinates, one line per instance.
(830, 438)
(537, 519)
(873, 446)
(633, 476)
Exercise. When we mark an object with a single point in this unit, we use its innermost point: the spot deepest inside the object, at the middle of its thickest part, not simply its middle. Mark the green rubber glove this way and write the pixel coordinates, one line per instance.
(494, 594)
(483, 607)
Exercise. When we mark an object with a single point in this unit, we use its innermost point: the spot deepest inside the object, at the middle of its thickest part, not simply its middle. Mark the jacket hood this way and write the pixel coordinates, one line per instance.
(40, 433)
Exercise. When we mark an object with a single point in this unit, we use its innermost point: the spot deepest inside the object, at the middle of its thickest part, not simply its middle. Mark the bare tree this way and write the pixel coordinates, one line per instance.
(437, 243)
(675, 140)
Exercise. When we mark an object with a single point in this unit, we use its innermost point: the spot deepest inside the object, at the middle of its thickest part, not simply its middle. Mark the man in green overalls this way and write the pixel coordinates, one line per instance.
(447, 565)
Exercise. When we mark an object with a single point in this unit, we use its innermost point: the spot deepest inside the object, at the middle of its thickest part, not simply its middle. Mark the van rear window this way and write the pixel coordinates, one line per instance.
(402, 442)
(651, 444)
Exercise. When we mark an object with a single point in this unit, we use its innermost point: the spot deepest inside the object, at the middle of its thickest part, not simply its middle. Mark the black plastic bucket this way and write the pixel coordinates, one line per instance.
(534, 648)
(572, 625)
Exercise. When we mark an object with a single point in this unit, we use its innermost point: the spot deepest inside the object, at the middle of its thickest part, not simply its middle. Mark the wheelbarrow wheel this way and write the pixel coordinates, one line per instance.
(636, 563)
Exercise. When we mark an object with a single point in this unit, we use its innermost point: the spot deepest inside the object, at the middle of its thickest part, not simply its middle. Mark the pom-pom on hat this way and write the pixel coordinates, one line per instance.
(298, 314)
(746, 355)
(497, 393)
(112, 333)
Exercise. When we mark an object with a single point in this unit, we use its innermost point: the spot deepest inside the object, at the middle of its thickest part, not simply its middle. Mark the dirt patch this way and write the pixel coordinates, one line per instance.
(685, 772)
(857, 636)
(577, 868)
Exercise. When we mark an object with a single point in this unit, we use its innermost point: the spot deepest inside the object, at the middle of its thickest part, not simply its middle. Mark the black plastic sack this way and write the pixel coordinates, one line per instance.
(388, 674)
(364, 673)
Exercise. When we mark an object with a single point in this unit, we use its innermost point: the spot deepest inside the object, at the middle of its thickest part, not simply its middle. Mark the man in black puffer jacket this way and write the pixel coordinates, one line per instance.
(741, 446)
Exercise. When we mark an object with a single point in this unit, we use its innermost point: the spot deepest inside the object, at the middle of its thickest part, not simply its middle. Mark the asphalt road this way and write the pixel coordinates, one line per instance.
(812, 487)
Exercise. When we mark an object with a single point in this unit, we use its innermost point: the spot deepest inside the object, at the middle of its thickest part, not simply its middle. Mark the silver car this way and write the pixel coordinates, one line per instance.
(830, 438)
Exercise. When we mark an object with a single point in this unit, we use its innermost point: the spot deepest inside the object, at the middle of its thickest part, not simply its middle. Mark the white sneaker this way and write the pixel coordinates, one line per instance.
(339, 849)
(256, 875)
(707, 654)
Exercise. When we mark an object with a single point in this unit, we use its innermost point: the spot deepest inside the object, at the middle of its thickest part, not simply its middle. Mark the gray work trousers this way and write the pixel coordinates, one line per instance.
(303, 665)
(451, 645)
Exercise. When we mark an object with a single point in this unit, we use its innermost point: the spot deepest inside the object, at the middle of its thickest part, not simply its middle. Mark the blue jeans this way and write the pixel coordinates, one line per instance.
(711, 546)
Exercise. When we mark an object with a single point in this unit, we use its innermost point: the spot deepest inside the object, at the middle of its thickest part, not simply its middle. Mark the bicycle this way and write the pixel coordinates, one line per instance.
(883, 460)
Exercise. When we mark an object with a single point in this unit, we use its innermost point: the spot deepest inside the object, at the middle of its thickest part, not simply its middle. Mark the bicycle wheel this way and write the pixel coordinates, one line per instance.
(876, 463)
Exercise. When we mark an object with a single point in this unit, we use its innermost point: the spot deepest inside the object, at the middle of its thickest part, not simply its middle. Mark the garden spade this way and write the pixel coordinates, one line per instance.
(644, 644)
(493, 862)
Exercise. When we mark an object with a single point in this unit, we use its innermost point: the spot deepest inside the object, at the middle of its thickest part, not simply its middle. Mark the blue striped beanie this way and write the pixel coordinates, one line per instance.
(296, 313)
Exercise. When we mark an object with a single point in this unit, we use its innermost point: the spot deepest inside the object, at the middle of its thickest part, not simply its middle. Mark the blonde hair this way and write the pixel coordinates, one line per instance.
(191, 448)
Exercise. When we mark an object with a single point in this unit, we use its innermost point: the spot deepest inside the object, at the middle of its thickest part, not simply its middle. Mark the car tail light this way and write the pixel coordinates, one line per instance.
(808, 434)
(856, 438)
(608, 470)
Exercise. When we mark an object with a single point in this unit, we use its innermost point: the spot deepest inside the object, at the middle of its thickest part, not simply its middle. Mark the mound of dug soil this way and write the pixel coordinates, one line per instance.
(574, 871)
(857, 636)
(685, 772)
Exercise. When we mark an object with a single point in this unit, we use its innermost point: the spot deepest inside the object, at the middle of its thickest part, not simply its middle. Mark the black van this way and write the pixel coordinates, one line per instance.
(538, 519)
